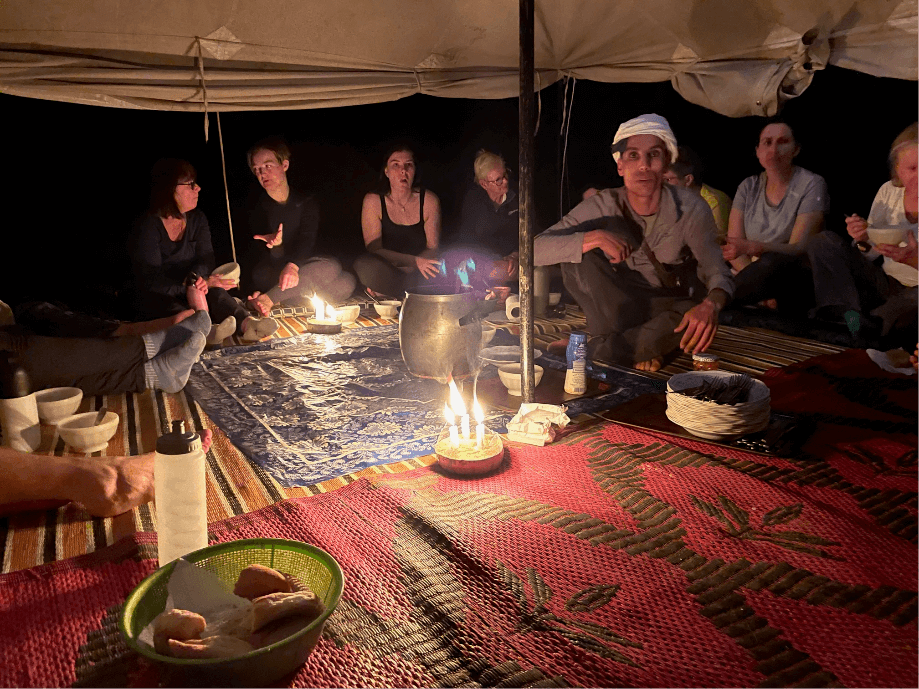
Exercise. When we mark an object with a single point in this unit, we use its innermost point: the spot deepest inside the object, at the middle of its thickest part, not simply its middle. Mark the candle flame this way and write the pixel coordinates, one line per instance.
(456, 400)
(477, 412)
(318, 306)
(449, 415)
(330, 313)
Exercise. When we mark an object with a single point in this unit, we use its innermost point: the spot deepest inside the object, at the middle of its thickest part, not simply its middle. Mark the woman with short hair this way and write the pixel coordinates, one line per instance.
(171, 253)
(858, 279)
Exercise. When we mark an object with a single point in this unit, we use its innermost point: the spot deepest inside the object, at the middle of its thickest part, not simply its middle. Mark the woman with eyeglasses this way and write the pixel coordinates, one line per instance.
(489, 217)
(401, 228)
(172, 258)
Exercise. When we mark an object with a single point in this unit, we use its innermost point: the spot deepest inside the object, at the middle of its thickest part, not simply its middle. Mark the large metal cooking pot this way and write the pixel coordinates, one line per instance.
(439, 334)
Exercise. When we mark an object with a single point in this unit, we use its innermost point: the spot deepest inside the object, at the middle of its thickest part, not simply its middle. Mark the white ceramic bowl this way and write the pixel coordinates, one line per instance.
(554, 298)
(55, 404)
(511, 376)
(78, 431)
(228, 271)
(387, 309)
(349, 313)
(488, 333)
(887, 235)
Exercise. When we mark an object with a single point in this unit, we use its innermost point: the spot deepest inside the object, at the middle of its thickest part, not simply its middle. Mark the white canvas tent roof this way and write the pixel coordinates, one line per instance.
(737, 57)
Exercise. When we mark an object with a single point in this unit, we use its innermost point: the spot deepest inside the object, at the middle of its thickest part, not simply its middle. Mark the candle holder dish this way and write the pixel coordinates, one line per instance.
(467, 459)
(323, 327)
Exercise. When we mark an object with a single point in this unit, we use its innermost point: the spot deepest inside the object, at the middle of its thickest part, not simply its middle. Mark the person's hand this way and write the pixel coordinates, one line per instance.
(700, 324)
(261, 303)
(195, 297)
(222, 282)
(513, 266)
(615, 249)
(272, 240)
(290, 276)
(428, 267)
(905, 254)
(914, 358)
(735, 247)
(857, 227)
(201, 284)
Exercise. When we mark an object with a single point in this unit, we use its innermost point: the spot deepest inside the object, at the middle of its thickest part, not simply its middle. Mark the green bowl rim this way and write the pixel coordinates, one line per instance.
(130, 603)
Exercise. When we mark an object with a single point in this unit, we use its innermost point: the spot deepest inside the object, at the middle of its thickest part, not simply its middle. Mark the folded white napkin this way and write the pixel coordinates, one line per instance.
(533, 423)
(882, 360)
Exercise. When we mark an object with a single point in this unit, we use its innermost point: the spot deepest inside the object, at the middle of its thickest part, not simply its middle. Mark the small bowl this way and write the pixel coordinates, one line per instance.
(228, 271)
(511, 376)
(488, 333)
(387, 309)
(349, 313)
(887, 235)
(554, 298)
(78, 431)
(56, 404)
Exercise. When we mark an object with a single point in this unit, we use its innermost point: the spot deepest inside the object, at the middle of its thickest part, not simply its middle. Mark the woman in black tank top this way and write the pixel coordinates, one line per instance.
(401, 228)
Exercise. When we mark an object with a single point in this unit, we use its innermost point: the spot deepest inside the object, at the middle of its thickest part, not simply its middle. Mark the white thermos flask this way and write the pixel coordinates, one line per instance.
(179, 479)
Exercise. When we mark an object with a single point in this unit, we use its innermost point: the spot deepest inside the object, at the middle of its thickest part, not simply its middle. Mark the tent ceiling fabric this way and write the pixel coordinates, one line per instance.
(735, 57)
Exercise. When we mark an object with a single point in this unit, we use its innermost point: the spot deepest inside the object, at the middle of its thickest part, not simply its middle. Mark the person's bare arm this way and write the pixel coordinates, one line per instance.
(736, 237)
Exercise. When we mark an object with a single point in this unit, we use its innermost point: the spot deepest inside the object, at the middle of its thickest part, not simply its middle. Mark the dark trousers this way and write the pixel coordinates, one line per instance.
(632, 319)
(783, 277)
(98, 366)
(54, 319)
(151, 305)
(845, 280)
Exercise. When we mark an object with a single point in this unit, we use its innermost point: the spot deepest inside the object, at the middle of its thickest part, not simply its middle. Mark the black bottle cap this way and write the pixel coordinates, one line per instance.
(179, 441)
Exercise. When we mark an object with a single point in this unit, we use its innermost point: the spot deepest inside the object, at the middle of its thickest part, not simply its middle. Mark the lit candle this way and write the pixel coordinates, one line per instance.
(479, 418)
(451, 419)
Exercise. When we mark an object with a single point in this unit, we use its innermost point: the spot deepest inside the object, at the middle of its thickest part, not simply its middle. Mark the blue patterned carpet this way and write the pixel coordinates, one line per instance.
(314, 407)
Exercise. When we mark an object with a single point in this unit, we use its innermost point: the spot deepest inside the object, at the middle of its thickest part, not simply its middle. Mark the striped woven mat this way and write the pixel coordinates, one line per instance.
(609, 558)
(237, 486)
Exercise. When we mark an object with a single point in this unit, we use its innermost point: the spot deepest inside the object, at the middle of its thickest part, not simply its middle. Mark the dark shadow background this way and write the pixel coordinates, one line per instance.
(79, 174)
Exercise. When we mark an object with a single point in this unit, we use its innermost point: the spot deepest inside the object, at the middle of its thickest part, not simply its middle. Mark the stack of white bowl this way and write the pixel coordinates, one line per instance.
(711, 420)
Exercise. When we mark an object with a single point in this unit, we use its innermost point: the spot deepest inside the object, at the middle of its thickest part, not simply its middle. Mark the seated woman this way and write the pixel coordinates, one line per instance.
(401, 227)
(852, 281)
(773, 216)
(280, 266)
(171, 250)
(489, 219)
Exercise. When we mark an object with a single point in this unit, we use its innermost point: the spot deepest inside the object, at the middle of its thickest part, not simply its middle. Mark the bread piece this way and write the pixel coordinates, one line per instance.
(230, 622)
(278, 630)
(209, 647)
(258, 580)
(176, 624)
(276, 606)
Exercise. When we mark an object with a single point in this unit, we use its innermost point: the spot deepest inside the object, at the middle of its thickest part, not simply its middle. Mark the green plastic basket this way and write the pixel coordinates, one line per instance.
(314, 568)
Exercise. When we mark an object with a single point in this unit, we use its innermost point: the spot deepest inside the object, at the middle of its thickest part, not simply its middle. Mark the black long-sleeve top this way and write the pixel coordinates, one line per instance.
(161, 265)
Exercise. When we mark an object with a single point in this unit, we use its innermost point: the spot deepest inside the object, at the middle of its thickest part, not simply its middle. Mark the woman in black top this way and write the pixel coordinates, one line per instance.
(171, 254)
(401, 227)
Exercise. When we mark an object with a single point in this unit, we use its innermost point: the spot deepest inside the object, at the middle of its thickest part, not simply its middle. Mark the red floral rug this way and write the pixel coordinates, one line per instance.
(609, 558)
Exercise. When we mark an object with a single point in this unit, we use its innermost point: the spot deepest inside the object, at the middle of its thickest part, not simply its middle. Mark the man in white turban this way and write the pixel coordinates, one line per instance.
(642, 260)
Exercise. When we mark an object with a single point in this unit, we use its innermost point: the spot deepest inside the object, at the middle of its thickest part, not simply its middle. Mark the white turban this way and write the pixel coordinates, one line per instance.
(655, 125)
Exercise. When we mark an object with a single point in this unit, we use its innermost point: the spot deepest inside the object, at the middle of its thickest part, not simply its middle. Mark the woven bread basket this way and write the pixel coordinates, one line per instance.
(716, 421)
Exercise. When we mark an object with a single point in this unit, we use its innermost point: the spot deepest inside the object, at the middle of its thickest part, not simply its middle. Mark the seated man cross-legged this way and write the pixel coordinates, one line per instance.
(642, 260)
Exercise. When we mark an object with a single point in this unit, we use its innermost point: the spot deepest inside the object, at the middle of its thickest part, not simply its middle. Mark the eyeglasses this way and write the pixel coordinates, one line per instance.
(500, 180)
(191, 185)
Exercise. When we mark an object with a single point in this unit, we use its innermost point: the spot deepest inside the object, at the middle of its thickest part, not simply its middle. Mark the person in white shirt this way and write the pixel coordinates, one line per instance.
(856, 279)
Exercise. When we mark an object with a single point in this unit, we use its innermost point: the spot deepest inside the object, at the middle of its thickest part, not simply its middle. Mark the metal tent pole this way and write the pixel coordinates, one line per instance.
(526, 124)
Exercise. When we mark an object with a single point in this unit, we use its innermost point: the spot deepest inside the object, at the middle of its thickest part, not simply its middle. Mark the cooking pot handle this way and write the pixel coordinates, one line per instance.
(479, 311)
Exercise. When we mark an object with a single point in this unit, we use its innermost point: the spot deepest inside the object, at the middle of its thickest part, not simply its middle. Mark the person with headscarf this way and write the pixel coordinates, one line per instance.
(641, 260)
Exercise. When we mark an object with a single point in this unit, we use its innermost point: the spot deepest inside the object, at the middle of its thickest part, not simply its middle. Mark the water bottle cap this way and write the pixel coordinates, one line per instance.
(179, 441)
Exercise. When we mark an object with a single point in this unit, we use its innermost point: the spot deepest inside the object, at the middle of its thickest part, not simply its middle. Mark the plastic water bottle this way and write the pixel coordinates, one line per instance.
(18, 408)
(576, 353)
(179, 479)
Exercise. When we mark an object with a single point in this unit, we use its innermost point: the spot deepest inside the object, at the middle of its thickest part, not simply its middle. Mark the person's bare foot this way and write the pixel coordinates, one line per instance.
(771, 304)
(261, 303)
(650, 365)
(109, 486)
